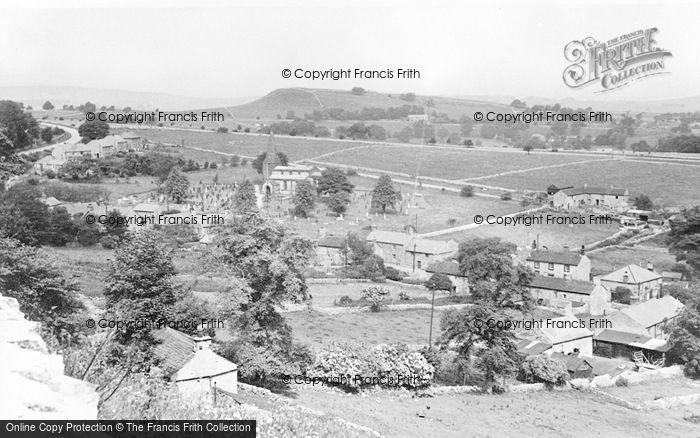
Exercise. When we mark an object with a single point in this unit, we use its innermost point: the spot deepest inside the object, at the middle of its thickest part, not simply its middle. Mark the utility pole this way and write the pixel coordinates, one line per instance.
(414, 257)
(432, 311)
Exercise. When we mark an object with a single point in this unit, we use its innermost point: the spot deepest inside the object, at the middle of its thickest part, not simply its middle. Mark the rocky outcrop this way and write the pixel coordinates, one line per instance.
(33, 384)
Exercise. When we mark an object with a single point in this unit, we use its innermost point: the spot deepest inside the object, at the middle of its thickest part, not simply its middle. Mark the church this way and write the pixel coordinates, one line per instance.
(283, 180)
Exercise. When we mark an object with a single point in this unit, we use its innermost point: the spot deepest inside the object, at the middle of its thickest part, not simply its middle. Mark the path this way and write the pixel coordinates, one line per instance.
(74, 138)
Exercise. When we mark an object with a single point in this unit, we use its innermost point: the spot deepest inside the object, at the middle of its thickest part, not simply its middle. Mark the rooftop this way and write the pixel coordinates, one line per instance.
(427, 246)
(444, 267)
(392, 237)
(654, 311)
(560, 257)
(587, 190)
(564, 285)
(636, 274)
(331, 242)
(563, 330)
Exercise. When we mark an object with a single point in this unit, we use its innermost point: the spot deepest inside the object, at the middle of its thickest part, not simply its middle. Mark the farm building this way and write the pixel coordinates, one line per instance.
(560, 264)
(191, 364)
(644, 284)
(329, 251)
(279, 179)
(407, 250)
(548, 289)
(451, 269)
(566, 335)
(577, 366)
(587, 196)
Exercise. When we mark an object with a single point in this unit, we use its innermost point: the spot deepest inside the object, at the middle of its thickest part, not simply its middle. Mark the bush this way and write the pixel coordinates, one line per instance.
(439, 281)
(467, 191)
(109, 242)
(374, 295)
(344, 301)
(622, 381)
(393, 273)
(372, 267)
(357, 366)
(544, 369)
(403, 296)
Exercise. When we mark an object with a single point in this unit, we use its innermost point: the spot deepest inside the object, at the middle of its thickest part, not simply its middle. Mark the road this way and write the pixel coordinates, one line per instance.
(74, 137)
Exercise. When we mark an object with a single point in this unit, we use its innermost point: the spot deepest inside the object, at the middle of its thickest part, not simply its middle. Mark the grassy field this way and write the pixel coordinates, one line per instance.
(555, 237)
(450, 164)
(246, 144)
(88, 267)
(612, 258)
(545, 414)
(667, 184)
(324, 295)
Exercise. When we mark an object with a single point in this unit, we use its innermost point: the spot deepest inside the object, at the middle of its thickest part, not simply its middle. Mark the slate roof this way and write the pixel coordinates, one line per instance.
(174, 350)
(620, 337)
(672, 275)
(391, 237)
(445, 267)
(586, 190)
(204, 363)
(331, 242)
(427, 246)
(571, 361)
(636, 275)
(562, 285)
(560, 257)
(654, 311)
(532, 348)
(560, 335)
(52, 202)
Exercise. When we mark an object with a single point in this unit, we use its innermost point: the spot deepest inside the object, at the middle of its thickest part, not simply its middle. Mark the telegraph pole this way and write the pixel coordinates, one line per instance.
(432, 311)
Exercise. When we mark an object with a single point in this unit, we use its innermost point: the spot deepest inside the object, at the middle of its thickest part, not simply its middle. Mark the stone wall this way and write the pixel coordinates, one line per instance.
(33, 384)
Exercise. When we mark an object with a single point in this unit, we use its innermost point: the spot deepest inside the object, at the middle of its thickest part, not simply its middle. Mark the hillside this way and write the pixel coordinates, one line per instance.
(306, 100)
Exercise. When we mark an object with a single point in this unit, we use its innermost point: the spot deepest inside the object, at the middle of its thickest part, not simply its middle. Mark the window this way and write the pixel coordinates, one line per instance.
(537, 265)
(418, 264)
(551, 266)
(567, 268)
(625, 278)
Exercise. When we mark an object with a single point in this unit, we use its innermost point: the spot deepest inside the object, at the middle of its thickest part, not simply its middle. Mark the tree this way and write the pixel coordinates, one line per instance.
(684, 237)
(303, 199)
(374, 295)
(689, 296)
(404, 135)
(82, 167)
(47, 134)
(467, 191)
(684, 341)
(140, 284)
(358, 91)
(488, 264)
(439, 281)
(18, 127)
(527, 148)
(373, 268)
(43, 293)
(621, 295)
(643, 202)
(338, 202)
(48, 106)
(356, 249)
(257, 163)
(88, 107)
(469, 333)
(544, 369)
(24, 217)
(116, 225)
(384, 194)
(93, 130)
(176, 185)
(244, 198)
(334, 180)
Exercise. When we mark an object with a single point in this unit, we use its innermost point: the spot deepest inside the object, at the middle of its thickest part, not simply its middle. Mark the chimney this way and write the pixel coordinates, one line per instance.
(566, 248)
(202, 343)
(650, 266)
(583, 250)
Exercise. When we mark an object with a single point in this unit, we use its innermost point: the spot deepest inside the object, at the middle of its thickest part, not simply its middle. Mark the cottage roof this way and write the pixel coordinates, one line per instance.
(428, 246)
(564, 329)
(331, 242)
(573, 362)
(636, 274)
(587, 190)
(672, 275)
(391, 237)
(445, 267)
(52, 202)
(560, 257)
(563, 285)
(529, 347)
(654, 311)
(130, 135)
(620, 337)
(174, 350)
(204, 363)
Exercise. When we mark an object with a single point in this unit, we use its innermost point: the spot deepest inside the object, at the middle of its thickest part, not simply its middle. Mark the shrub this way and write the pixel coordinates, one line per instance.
(372, 267)
(393, 273)
(544, 369)
(344, 301)
(467, 191)
(622, 381)
(374, 295)
(439, 281)
(358, 366)
(109, 242)
(403, 296)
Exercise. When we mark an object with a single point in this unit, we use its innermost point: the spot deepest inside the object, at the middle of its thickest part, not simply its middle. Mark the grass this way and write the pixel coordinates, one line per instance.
(451, 164)
(88, 267)
(667, 184)
(612, 258)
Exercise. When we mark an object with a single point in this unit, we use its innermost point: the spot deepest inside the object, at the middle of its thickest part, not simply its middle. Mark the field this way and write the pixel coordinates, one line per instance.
(667, 184)
(450, 163)
(547, 414)
(325, 294)
(88, 267)
(612, 258)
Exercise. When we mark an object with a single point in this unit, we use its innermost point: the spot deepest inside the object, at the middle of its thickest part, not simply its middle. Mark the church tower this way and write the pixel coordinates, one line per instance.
(271, 159)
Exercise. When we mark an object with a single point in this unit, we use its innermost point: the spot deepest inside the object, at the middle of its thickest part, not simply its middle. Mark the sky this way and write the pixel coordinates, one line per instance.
(239, 48)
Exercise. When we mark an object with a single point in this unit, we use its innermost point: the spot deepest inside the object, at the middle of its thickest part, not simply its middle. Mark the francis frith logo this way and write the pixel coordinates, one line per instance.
(614, 63)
